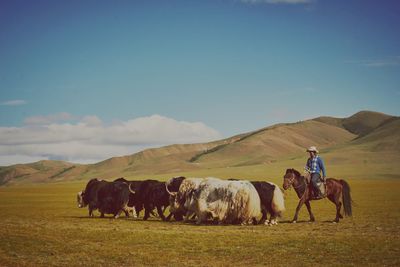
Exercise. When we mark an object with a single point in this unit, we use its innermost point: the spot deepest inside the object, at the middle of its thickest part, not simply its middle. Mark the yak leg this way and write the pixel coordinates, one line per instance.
(137, 211)
(126, 211)
(134, 214)
(169, 216)
(146, 212)
(160, 212)
(154, 214)
(273, 220)
(201, 217)
(264, 217)
(178, 217)
(187, 216)
(312, 218)
(91, 209)
(116, 215)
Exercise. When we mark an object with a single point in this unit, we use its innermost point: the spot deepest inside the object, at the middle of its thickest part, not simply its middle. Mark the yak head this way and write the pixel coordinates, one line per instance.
(172, 187)
(81, 199)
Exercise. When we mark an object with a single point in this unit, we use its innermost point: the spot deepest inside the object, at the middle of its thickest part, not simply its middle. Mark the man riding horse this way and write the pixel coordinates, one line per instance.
(315, 165)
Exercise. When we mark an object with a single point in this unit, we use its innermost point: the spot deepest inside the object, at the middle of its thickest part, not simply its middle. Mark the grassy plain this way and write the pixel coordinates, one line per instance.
(41, 225)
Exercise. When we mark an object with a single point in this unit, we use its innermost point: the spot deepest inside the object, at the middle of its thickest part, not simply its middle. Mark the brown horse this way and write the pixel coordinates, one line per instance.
(337, 191)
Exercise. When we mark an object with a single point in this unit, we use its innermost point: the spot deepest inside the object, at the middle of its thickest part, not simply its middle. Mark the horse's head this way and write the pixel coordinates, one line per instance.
(289, 178)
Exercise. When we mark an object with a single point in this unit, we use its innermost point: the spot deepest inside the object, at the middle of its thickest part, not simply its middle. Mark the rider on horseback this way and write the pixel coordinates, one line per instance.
(315, 165)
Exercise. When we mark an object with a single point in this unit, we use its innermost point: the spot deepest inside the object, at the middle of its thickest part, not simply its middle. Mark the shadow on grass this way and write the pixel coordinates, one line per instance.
(156, 220)
(305, 221)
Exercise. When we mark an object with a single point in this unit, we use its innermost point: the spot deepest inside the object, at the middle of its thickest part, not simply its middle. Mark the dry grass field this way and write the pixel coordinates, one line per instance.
(41, 225)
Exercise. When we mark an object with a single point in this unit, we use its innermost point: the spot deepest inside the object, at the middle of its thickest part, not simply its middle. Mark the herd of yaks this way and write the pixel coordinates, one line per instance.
(222, 201)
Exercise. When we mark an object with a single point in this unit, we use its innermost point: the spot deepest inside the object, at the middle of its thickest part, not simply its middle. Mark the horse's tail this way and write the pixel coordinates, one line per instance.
(278, 201)
(346, 198)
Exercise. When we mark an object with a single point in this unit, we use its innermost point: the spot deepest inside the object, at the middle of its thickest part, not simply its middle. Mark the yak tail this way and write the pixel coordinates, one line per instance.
(346, 198)
(278, 202)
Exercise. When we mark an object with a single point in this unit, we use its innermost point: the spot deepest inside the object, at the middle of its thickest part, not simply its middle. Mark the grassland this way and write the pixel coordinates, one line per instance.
(41, 225)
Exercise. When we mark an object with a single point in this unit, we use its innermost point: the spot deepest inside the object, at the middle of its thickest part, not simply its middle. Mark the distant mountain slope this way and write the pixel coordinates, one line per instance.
(276, 142)
(385, 137)
(35, 172)
(164, 159)
(360, 123)
(364, 132)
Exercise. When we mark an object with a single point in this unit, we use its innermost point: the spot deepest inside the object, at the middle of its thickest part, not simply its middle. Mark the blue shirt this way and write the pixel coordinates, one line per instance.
(316, 165)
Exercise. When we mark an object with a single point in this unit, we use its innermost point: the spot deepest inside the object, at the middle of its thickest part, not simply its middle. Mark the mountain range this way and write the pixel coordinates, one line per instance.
(365, 137)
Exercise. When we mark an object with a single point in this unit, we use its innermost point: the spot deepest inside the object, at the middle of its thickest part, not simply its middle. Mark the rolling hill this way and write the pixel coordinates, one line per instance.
(363, 137)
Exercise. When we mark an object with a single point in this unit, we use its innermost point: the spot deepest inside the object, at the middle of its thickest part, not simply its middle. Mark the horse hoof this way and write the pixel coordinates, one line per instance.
(294, 221)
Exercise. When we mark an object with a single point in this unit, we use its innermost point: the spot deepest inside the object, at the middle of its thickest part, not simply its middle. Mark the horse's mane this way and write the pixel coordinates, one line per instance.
(297, 173)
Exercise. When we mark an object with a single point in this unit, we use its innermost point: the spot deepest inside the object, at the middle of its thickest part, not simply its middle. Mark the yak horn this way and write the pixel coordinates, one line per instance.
(169, 192)
(130, 189)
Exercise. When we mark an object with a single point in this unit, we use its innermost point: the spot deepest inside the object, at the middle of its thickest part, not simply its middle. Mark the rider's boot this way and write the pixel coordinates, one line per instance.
(318, 194)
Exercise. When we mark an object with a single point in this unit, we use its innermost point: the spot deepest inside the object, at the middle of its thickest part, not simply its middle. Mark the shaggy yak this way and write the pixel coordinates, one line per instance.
(107, 197)
(226, 202)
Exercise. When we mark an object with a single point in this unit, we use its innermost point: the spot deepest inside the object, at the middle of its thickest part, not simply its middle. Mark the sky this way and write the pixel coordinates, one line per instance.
(83, 81)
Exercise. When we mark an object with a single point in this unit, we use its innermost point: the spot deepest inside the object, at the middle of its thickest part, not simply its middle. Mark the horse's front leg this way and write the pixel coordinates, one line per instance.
(312, 218)
(301, 202)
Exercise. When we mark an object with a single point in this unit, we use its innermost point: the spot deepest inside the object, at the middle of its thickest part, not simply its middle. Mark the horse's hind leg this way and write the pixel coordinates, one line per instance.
(338, 215)
(338, 204)
(312, 218)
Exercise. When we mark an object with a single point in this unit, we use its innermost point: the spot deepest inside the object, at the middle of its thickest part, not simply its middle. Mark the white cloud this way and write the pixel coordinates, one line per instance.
(42, 120)
(90, 140)
(378, 63)
(17, 102)
(277, 1)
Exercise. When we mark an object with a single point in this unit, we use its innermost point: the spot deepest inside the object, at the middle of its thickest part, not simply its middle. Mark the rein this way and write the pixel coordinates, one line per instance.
(299, 186)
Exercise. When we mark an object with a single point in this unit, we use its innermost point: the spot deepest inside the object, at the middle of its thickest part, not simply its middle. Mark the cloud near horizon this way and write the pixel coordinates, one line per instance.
(292, 2)
(16, 102)
(378, 63)
(89, 140)
(48, 119)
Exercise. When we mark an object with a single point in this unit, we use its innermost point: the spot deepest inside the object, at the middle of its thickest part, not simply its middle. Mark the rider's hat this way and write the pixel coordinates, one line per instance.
(312, 149)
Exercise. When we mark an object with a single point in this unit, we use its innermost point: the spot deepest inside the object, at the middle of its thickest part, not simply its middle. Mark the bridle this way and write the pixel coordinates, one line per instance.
(291, 180)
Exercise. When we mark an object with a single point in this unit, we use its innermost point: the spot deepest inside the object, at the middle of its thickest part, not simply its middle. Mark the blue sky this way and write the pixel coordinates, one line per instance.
(231, 65)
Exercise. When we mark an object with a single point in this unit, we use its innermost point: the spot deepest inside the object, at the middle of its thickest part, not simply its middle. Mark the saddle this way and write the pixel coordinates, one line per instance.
(313, 191)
